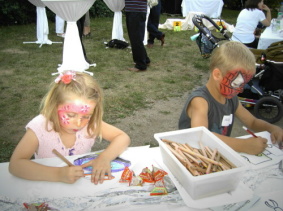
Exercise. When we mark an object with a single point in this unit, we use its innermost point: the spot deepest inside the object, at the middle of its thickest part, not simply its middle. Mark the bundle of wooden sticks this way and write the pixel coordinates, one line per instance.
(199, 161)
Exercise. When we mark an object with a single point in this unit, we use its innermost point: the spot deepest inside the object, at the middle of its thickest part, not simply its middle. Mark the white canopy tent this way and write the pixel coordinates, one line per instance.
(42, 29)
(71, 11)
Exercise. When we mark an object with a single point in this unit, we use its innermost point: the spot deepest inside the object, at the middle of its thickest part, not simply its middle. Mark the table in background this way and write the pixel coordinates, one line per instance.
(267, 38)
(212, 8)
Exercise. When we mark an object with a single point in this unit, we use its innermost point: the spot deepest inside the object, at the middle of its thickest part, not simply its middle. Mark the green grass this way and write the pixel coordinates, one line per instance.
(25, 73)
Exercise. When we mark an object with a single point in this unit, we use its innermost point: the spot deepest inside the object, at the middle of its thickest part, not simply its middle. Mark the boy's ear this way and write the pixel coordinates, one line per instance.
(217, 74)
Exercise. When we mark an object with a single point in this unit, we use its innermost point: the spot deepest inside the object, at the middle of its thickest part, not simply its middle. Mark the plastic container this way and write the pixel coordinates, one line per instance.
(205, 185)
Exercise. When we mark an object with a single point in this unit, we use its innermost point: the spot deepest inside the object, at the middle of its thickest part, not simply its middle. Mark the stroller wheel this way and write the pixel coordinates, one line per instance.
(269, 109)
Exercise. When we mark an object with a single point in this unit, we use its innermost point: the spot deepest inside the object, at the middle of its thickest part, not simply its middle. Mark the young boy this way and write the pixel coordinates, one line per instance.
(214, 105)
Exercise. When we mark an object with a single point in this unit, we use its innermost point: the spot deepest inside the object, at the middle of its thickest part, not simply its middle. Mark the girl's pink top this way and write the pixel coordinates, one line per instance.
(49, 140)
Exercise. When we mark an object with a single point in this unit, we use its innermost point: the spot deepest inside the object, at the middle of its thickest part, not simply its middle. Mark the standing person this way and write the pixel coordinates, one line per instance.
(87, 32)
(152, 26)
(60, 25)
(215, 105)
(80, 24)
(248, 20)
(135, 20)
(70, 121)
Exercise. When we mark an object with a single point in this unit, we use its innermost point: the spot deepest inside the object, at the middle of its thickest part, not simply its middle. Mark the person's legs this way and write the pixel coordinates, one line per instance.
(153, 23)
(86, 31)
(80, 24)
(253, 44)
(136, 28)
(60, 25)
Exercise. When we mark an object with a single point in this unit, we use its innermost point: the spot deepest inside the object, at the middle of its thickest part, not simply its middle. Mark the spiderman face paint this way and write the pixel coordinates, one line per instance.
(233, 83)
(75, 115)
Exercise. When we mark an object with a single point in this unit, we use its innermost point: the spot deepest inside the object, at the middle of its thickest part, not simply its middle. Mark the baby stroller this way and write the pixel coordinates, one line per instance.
(206, 41)
(264, 93)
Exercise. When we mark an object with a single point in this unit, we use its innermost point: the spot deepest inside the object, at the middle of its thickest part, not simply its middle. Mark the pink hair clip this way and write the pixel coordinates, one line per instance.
(66, 77)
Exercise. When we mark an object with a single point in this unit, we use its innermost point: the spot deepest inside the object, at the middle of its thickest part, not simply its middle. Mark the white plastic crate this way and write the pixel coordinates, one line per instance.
(208, 184)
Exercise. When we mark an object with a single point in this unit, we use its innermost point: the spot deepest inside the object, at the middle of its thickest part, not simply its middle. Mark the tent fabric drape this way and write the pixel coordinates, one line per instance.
(42, 29)
(116, 6)
(37, 3)
(71, 11)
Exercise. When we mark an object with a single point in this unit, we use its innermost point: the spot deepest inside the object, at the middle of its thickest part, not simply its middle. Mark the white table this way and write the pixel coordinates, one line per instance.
(211, 8)
(116, 6)
(267, 38)
(42, 29)
(71, 11)
(112, 195)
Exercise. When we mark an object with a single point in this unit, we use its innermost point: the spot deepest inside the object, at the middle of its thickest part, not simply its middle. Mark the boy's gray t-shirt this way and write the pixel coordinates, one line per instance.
(220, 116)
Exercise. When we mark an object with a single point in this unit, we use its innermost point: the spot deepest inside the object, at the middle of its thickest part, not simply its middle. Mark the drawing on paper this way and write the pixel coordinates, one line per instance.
(117, 164)
(273, 205)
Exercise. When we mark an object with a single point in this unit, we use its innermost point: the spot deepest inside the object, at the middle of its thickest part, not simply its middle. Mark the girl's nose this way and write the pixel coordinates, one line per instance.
(79, 122)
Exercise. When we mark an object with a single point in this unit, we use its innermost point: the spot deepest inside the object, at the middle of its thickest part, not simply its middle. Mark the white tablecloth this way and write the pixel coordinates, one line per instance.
(71, 11)
(187, 23)
(112, 195)
(116, 6)
(211, 8)
(267, 38)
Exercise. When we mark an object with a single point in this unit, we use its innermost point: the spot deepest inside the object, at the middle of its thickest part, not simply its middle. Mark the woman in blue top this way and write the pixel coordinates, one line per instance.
(248, 20)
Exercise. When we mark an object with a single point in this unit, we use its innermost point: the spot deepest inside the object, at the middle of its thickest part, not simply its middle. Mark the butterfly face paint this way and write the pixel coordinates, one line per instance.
(233, 83)
(75, 115)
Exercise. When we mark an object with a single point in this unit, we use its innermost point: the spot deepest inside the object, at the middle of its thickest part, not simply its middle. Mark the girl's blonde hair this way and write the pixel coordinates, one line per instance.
(232, 55)
(83, 85)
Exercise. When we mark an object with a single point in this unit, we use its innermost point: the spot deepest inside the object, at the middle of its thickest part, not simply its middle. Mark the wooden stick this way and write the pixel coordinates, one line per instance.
(177, 155)
(190, 157)
(208, 170)
(198, 169)
(202, 149)
(62, 157)
(217, 159)
(168, 141)
(194, 172)
(188, 146)
(200, 156)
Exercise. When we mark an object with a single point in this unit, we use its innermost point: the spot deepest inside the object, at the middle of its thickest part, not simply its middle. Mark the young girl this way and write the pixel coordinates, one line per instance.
(70, 120)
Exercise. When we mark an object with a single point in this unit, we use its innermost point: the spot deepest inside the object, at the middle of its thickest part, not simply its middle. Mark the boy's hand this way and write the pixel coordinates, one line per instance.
(70, 174)
(255, 145)
(277, 135)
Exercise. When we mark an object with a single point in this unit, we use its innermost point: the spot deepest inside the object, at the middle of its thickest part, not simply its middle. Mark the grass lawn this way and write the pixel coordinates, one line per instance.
(25, 73)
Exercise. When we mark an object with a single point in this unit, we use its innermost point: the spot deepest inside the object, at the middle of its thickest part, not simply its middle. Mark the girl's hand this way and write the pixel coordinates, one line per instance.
(101, 169)
(70, 174)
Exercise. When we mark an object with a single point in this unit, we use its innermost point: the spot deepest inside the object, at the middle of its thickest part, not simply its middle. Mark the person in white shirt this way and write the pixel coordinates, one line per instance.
(248, 20)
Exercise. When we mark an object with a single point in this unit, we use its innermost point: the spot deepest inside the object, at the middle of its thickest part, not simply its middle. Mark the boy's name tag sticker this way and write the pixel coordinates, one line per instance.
(227, 120)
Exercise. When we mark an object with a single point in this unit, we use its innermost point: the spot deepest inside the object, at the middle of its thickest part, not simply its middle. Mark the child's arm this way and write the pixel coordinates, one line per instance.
(198, 111)
(119, 141)
(259, 125)
(21, 165)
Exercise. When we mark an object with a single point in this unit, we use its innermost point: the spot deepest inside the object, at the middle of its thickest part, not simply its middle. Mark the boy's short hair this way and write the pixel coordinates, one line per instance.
(232, 55)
